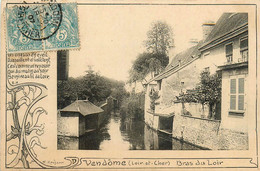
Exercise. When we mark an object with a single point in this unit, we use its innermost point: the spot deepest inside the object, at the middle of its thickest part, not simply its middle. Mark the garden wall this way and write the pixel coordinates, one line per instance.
(195, 109)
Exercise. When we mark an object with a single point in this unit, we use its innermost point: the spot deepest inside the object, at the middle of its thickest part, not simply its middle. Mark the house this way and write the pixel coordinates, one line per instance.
(229, 39)
(78, 118)
(223, 50)
(180, 75)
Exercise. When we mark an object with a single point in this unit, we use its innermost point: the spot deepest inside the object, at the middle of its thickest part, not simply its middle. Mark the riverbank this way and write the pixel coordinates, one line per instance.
(123, 134)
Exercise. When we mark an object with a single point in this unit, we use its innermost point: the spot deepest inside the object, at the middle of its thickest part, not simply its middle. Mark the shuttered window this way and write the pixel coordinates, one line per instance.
(241, 82)
(237, 94)
(241, 87)
(233, 102)
(232, 86)
(240, 102)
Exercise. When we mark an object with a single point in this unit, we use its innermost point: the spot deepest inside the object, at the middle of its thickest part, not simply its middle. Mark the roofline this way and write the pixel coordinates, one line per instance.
(150, 81)
(172, 68)
(181, 67)
(78, 110)
(153, 79)
(174, 71)
(81, 113)
(233, 33)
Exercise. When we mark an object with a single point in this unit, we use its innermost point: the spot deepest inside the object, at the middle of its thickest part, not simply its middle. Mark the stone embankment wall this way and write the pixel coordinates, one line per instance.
(151, 120)
(208, 134)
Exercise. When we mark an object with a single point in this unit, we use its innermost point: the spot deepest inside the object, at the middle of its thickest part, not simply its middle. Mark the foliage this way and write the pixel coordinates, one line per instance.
(210, 87)
(92, 86)
(208, 91)
(119, 92)
(146, 63)
(159, 38)
(159, 41)
(154, 95)
(133, 106)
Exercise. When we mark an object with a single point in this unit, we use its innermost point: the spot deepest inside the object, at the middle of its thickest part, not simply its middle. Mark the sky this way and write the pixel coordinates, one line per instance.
(111, 37)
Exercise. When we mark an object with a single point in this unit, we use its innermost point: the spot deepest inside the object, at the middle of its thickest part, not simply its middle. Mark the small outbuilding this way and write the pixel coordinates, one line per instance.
(78, 118)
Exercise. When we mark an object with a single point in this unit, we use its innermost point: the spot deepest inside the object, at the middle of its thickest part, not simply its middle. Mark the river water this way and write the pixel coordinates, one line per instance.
(123, 134)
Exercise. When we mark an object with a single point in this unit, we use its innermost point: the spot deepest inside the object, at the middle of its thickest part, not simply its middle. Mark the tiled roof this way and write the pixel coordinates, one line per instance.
(227, 23)
(180, 60)
(84, 107)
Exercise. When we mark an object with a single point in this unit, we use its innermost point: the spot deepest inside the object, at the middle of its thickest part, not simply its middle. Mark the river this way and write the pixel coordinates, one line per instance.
(123, 134)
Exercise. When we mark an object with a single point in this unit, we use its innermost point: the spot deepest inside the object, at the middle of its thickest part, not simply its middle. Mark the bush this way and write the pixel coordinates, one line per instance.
(133, 106)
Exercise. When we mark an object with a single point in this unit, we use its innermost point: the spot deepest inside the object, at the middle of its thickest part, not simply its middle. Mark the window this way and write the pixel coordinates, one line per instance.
(237, 95)
(229, 52)
(243, 49)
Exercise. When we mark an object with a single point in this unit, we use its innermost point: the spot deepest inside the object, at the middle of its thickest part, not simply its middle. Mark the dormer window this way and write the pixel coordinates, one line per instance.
(229, 52)
(243, 49)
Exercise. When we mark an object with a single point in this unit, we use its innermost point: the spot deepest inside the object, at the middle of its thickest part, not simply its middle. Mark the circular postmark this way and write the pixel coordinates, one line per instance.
(39, 22)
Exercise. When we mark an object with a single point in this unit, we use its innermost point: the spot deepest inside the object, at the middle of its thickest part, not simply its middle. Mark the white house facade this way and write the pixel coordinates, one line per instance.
(223, 51)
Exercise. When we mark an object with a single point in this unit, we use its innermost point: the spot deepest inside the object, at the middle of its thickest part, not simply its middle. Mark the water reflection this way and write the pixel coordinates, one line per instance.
(123, 134)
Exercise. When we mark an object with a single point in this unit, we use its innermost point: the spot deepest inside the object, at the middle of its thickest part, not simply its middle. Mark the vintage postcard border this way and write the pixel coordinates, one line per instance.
(77, 160)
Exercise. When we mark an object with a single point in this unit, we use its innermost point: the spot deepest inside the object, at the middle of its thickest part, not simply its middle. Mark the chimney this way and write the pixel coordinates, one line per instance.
(207, 28)
(193, 42)
(171, 54)
(179, 61)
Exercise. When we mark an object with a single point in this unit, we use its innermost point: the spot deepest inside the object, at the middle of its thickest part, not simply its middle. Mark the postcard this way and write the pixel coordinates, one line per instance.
(135, 85)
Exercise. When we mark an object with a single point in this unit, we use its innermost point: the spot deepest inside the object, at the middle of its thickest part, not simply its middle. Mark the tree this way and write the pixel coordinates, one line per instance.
(147, 63)
(208, 91)
(140, 67)
(159, 38)
(159, 41)
(92, 86)
(210, 88)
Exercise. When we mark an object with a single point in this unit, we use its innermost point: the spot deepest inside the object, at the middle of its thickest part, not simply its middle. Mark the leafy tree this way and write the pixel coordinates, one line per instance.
(147, 63)
(159, 38)
(67, 91)
(92, 86)
(140, 67)
(159, 41)
(208, 91)
(133, 106)
(95, 87)
(211, 89)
